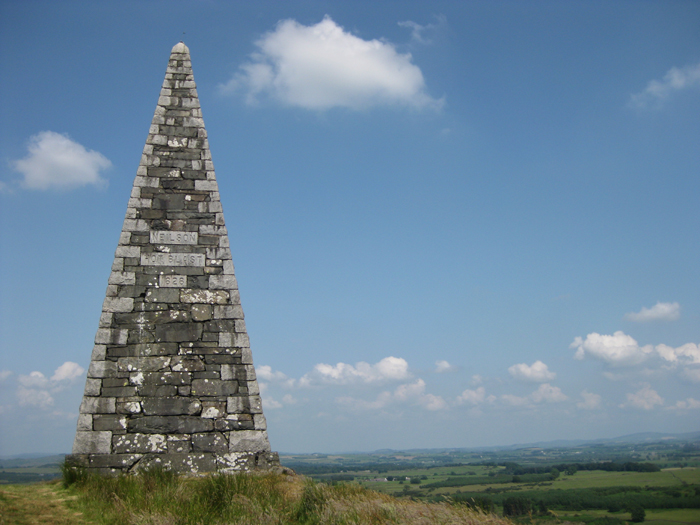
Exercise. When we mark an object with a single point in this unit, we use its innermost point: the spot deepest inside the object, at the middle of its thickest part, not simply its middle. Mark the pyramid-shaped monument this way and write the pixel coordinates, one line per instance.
(171, 382)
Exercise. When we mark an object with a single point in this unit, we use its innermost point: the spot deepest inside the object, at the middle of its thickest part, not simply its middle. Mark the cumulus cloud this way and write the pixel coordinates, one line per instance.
(323, 66)
(68, 371)
(266, 373)
(617, 349)
(443, 366)
(472, 397)
(408, 393)
(688, 404)
(589, 401)
(4, 374)
(388, 369)
(657, 91)
(537, 372)
(645, 399)
(688, 353)
(658, 312)
(56, 161)
(34, 397)
(35, 389)
(545, 393)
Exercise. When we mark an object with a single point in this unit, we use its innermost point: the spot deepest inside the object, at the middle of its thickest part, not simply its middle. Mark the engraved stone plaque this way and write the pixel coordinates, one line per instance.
(172, 259)
(172, 281)
(168, 237)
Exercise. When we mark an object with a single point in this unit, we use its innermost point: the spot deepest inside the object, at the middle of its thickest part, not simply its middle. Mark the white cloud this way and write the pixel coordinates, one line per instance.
(645, 398)
(472, 397)
(409, 393)
(266, 373)
(34, 397)
(35, 388)
(545, 393)
(537, 372)
(33, 380)
(270, 403)
(658, 312)
(323, 66)
(476, 380)
(388, 369)
(443, 366)
(688, 404)
(548, 393)
(590, 401)
(4, 374)
(68, 371)
(689, 353)
(657, 91)
(417, 30)
(54, 160)
(617, 349)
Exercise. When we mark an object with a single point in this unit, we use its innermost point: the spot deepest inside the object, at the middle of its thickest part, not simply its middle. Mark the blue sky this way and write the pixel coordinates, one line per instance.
(454, 224)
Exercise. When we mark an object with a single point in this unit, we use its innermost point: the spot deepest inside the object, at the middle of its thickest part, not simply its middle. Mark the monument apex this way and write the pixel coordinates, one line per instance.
(171, 380)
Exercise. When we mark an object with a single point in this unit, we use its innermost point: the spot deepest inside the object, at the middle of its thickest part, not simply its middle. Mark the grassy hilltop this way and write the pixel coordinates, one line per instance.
(160, 498)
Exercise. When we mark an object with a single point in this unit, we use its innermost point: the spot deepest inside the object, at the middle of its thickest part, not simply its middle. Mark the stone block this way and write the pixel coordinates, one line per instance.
(99, 369)
(128, 407)
(143, 364)
(93, 442)
(178, 332)
(98, 405)
(228, 312)
(213, 387)
(201, 312)
(85, 422)
(107, 336)
(92, 387)
(121, 462)
(170, 406)
(119, 391)
(158, 391)
(213, 409)
(111, 422)
(98, 352)
(214, 442)
(163, 295)
(170, 425)
(244, 405)
(139, 443)
(186, 364)
(167, 378)
(181, 463)
(248, 441)
(260, 422)
(204, 296)
(179, 443)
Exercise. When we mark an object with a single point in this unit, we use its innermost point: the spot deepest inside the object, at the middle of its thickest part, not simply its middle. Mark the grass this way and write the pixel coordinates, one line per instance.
(38, 503)
(159, 497)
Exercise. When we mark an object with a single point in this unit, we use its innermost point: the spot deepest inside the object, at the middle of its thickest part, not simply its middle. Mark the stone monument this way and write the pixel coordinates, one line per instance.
(171, 380)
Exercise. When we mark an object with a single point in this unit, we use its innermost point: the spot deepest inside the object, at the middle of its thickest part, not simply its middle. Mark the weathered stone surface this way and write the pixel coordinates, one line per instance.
(94, 442)
(213, 387)
(210, 442)
(171, 406)
(170, 425)
(171, 380)
(139, 443)
(178, 332)
(249, 441)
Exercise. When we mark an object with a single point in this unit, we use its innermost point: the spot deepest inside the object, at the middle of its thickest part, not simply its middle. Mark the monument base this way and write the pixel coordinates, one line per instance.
(188, 464)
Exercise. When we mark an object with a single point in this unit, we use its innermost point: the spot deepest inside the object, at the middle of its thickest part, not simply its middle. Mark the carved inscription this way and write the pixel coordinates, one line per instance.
(168, 237)
(172, 281)
(172, 259)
